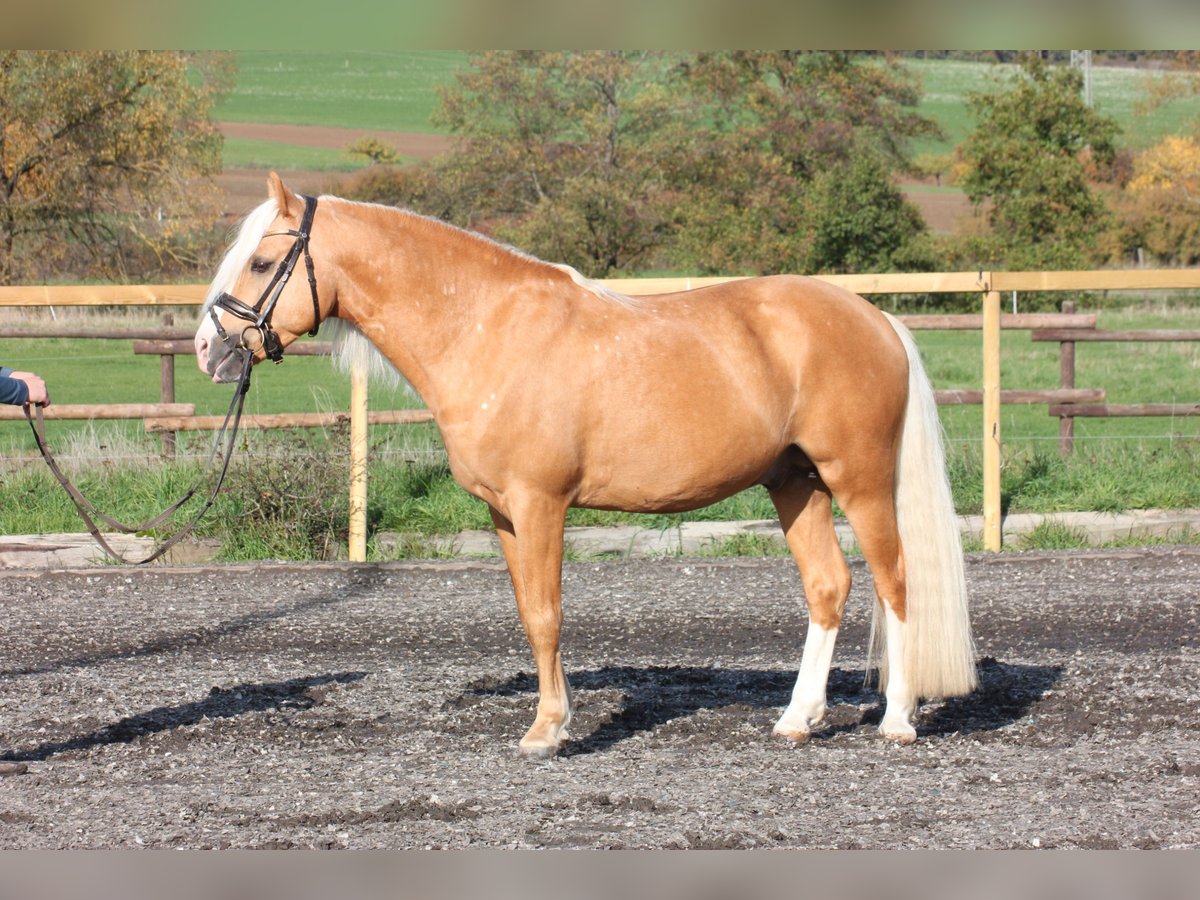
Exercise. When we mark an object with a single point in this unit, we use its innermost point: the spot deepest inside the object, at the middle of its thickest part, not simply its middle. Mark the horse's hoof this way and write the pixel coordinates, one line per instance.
(537, 752)
(793, 736)
(900, 736)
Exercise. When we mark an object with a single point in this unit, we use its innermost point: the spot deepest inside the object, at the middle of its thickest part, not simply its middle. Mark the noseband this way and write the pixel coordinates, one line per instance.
(259, 315)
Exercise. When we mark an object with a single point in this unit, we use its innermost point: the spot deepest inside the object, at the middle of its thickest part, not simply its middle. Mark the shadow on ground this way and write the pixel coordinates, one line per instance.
(657, 695)
(221, 703)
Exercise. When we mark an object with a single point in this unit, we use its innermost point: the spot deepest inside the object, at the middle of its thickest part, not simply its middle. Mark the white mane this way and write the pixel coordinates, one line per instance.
(596, 287)
(237, 257)
(352, 348)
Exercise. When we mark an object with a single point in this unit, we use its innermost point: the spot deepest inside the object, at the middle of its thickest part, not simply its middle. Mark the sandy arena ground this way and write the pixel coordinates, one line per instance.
(332, 705)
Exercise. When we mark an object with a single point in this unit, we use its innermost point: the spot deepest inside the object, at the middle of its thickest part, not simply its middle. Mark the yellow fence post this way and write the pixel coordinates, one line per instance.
(358, 463)
(991, 418)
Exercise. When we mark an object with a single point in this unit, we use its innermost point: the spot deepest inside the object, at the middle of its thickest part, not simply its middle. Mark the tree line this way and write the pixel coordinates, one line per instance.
(731, 162)
(789, 161)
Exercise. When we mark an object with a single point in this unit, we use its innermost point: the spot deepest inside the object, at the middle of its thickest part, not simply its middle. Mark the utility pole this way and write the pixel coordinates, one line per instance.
(1083, 60)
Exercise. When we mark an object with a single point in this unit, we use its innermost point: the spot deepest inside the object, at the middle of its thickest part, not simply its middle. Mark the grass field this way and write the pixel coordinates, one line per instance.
(106, 371)
(250, 153)
(1116, 92)
(383, 90)
(389, 90)
(397, 91)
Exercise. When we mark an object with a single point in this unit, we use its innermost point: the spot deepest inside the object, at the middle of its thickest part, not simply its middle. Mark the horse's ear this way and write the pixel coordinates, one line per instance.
(287, 202)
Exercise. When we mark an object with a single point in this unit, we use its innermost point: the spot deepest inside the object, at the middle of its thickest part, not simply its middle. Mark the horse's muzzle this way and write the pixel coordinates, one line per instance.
(221, 360)
(206, 335)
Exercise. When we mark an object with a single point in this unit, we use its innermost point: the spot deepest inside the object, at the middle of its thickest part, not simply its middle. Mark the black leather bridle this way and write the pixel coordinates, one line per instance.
(259, 315)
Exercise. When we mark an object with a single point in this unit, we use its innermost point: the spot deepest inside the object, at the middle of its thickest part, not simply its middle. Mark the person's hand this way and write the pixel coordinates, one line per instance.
(37, 388)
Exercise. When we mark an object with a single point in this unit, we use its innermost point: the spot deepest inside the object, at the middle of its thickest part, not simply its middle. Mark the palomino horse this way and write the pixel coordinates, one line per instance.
(551, 392)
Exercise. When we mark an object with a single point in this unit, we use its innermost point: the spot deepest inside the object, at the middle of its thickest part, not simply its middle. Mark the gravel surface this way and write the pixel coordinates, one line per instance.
(332, 705)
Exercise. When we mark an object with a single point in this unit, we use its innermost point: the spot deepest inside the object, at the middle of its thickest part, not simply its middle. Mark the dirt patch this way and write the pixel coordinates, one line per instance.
(413, 144)
(945, 212)
(335, 705)
(245, 188)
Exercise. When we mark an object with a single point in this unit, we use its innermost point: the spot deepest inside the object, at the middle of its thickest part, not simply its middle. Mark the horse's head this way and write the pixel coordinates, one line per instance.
(265, 293)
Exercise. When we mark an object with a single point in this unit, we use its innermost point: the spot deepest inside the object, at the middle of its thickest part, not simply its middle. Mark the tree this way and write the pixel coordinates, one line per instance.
(1028, 158)
(933, 165)
(859, 221)
(1158, 212)
(100, 153)
(785, 125)
(812, 109)
(612, 161)
(562, 152)
(1172, 164)
(375, 150)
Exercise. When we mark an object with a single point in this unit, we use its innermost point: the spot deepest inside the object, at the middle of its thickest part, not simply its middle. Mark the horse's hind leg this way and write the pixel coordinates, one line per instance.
(533, 548)
(871, 511)
(806, 514)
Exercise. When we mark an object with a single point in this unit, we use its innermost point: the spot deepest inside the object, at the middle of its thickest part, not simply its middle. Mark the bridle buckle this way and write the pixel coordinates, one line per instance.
(259, 315)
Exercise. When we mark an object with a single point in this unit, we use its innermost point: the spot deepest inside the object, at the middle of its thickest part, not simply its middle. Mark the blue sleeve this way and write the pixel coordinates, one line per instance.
(12, 390)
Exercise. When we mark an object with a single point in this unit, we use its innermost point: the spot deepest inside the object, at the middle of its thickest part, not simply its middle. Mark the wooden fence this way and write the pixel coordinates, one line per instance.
(1067, 337)
(1067, 401)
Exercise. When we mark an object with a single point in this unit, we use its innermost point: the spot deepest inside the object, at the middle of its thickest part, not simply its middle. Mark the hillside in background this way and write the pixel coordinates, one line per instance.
(299, 112)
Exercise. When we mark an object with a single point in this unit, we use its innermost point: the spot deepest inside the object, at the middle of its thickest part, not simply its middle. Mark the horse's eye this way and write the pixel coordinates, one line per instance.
(258, 266)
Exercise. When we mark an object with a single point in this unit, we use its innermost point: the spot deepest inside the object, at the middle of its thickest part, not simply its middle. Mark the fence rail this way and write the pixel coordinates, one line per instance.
(1078, 334)
(1117, 410)
(103, 411)
(1066, 328)
(167, 295)
(103, 295)
(167, 422)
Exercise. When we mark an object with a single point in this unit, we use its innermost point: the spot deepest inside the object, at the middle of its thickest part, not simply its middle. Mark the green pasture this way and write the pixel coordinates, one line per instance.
(380, 89)
(397, 91)
(384, 90)
(107, 371)
(1116, 92)
(252, 153)
(1128, 372)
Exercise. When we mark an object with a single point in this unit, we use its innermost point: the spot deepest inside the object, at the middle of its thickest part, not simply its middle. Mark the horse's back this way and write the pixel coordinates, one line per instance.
(784, 334)
(792, 308)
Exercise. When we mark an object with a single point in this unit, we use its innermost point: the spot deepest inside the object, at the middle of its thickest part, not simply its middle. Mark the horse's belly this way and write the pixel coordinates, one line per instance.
(659, 474)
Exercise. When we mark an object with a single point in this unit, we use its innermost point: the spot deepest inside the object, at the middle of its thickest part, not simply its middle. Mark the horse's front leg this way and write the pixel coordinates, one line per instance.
(532, 540)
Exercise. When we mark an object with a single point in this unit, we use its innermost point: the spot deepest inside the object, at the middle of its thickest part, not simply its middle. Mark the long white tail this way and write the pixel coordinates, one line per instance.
(939, 652)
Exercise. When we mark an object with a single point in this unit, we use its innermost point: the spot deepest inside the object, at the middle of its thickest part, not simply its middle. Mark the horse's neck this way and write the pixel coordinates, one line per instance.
(419, 290)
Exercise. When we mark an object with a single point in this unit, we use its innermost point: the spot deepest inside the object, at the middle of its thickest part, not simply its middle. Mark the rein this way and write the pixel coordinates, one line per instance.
(259, 316)
(88, 512)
